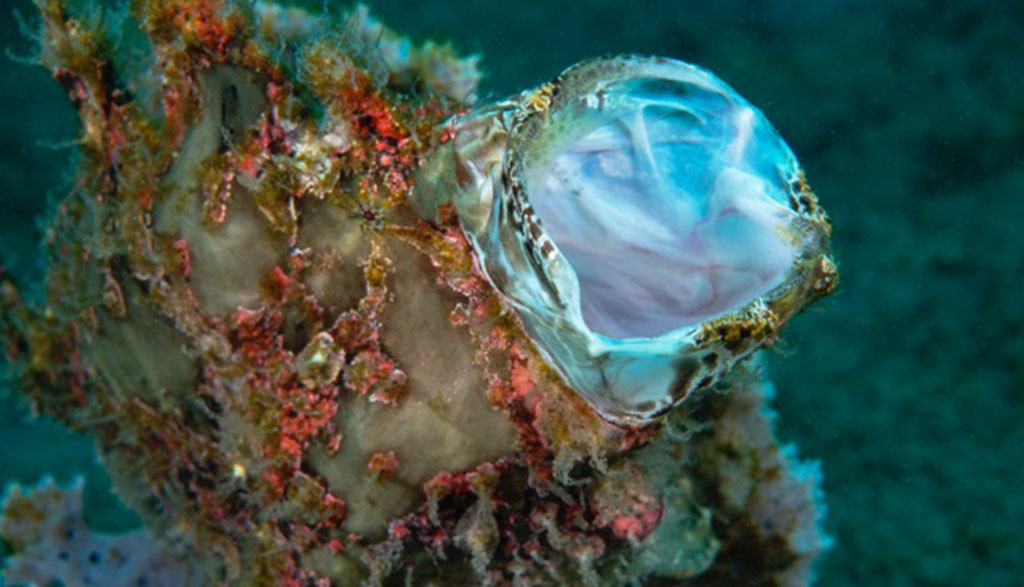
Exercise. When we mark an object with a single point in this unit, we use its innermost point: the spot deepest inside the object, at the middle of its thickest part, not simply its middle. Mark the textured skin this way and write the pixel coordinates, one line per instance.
(295, 379)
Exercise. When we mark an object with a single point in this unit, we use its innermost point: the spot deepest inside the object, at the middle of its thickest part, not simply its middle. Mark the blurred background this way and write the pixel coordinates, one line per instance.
(908, 116)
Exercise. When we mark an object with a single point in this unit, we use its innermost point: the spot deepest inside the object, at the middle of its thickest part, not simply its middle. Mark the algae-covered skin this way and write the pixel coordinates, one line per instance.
(296, 376)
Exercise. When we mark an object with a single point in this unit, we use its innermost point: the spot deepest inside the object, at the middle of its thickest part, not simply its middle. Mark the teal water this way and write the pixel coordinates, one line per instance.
(908, 117)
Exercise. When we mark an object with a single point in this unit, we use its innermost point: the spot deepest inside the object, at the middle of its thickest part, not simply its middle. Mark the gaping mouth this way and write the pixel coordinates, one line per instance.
(651, 190)
(647, 224)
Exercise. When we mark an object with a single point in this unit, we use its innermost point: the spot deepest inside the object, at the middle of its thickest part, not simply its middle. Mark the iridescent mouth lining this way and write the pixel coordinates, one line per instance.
(651, 205)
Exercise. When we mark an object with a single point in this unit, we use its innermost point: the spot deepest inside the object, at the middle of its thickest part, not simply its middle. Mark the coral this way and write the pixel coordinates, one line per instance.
(51, 542)
(296, 378)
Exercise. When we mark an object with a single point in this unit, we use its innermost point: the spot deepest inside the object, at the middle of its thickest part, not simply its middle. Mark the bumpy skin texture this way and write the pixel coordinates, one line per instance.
(295, 379)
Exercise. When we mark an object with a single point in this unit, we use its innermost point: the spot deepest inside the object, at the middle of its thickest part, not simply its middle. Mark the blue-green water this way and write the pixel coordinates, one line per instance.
(908, 117)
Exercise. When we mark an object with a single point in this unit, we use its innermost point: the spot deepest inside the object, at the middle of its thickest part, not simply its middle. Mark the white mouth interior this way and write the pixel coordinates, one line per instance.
(666, 197)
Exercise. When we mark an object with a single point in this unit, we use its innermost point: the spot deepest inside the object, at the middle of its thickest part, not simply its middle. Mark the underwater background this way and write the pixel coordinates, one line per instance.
(908, 117)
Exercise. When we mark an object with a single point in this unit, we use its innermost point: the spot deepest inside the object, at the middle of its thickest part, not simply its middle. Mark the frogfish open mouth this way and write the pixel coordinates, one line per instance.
(648, 224)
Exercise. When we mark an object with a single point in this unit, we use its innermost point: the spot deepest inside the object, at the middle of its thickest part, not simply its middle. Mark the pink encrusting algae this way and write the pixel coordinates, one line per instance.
(295, 379)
